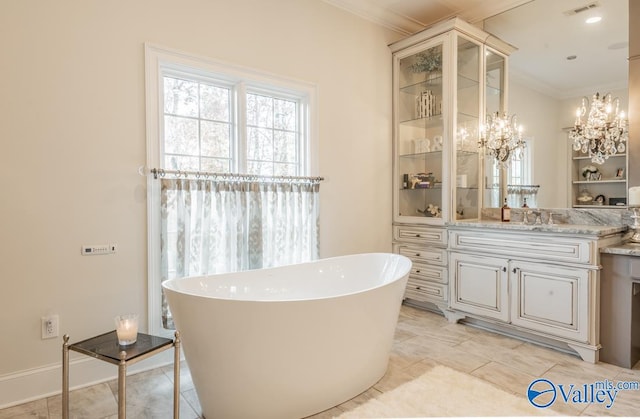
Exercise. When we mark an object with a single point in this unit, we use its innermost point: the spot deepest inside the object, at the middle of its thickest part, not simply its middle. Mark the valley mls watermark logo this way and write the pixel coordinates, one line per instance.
(542, 393)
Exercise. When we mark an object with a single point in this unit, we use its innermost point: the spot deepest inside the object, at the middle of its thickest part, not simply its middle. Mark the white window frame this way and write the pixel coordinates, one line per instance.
(157, 60)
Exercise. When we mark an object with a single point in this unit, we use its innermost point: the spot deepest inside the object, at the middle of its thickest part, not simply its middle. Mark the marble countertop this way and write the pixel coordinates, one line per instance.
(627, 249)
(598, 230)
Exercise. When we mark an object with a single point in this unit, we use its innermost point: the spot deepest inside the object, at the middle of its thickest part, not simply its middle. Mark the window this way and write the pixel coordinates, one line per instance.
(213, 125)
(518, 177)
(207, 116)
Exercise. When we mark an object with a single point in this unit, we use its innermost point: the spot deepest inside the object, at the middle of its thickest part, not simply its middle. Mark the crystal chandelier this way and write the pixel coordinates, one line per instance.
(604, 133)
(501, 137)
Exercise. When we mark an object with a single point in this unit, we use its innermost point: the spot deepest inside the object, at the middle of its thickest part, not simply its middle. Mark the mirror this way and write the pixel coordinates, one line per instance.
(560, 59)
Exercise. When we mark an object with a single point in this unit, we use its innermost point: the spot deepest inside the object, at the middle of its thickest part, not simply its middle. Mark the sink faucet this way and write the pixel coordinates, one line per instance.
(536, 220)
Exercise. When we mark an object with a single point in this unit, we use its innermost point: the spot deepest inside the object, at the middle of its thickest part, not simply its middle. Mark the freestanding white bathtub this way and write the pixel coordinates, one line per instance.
(292, 341)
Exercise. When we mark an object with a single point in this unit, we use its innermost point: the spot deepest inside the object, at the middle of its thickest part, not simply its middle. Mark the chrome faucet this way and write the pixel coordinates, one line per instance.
(536, 220)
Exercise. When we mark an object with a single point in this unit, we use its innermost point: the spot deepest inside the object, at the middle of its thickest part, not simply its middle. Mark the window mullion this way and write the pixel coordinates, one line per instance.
(241, 128)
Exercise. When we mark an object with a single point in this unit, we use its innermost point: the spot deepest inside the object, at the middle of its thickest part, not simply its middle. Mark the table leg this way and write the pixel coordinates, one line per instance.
(65, 377)
(176, 376)
(122, 390)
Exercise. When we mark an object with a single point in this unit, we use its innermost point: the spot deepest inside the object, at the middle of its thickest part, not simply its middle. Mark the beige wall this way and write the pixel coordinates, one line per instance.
(73, 136)
(538, 114)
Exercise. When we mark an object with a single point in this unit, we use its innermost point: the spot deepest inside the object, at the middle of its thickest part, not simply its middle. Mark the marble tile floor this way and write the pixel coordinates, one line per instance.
(423, 340)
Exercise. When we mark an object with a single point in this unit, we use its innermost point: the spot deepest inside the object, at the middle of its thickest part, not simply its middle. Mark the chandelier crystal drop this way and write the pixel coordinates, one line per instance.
(604, 133)
(501, 137)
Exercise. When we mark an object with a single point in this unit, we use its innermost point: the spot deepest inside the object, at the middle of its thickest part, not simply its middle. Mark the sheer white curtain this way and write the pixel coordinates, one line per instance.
(216, 226)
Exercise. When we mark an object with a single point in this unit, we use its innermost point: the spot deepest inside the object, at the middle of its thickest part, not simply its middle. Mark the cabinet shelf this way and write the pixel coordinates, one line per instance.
(589, 158)
(594, 182)
(434, 83)
(426, 122)
(412, 190)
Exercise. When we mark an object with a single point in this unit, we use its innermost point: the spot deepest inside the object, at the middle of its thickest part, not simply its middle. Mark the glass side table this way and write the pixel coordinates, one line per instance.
(106, 348)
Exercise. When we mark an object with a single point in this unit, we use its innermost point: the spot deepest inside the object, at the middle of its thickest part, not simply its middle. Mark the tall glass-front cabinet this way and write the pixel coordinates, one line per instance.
(441, 80)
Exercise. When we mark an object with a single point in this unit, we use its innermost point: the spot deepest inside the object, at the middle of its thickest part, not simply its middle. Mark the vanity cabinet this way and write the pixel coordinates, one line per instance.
(537, 296)
(529, 283)
(440, 80)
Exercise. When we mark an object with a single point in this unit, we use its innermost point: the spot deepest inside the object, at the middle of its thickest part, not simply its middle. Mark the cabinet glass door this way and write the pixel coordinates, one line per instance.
(419, 136)
(467, 179)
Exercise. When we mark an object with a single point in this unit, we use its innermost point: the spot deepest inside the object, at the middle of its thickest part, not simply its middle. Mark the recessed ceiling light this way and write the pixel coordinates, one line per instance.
(594, 19)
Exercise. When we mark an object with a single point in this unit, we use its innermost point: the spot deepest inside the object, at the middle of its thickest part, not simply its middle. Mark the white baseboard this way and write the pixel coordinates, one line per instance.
(37, 383)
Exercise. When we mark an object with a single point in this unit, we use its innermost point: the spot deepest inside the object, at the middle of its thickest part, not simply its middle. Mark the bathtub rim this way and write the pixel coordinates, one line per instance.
(166, 285)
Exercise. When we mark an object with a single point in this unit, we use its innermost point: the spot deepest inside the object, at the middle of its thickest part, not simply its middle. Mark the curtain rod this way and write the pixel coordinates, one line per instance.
(232, 176)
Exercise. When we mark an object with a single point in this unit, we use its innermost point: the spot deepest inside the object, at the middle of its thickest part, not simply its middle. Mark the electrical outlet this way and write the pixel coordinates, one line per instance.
(50, 326)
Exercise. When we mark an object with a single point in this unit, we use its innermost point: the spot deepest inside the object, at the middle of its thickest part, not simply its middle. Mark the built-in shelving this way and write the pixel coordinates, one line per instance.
(611, 187)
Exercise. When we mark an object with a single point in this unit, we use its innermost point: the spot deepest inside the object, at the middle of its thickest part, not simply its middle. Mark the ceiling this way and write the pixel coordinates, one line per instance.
(545, 32)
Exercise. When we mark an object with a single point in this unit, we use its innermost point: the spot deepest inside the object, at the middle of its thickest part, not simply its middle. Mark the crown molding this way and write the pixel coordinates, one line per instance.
(406, 25)
(365, 9)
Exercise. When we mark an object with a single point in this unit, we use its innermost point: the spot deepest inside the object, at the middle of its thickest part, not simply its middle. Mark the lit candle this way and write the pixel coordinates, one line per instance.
(127, 328)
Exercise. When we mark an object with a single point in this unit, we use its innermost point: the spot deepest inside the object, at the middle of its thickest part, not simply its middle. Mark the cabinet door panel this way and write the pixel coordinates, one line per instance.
(479, 285)
(551, 299)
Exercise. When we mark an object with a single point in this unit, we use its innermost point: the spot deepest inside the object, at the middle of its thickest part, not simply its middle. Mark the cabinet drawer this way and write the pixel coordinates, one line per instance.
(429, 255)
(429, 273)
(425, 291)
(423, 235)
(548, 248)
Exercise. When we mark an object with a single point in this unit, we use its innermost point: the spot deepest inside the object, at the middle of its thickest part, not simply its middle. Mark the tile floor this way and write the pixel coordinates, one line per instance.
(423, 339)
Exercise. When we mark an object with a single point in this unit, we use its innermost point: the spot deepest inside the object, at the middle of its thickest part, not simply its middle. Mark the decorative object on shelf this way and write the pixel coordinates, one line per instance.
(619, 202)
(604, 133)
(585, 197)
(437, 143)
(591, 172)
(501, 137)
(426, 105)
(428, 62)
(620, 173)
(431, 211)
(421, 145)
(421, 180)
(634, 205)
(600, 200)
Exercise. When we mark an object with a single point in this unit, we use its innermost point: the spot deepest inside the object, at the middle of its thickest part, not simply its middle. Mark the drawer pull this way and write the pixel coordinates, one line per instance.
(504, 269)
(418, 254)
(417, 271)
(417, 235)
(514, 270)
(418, 288)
